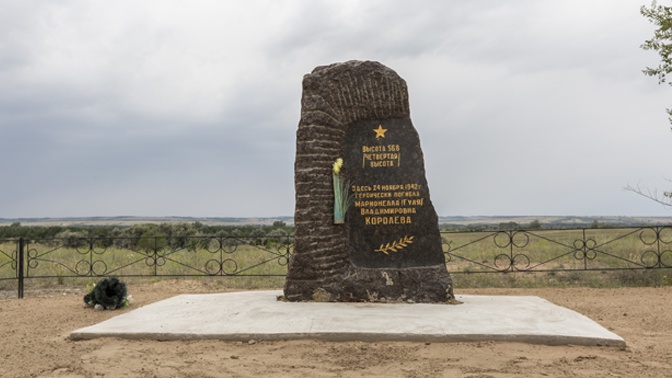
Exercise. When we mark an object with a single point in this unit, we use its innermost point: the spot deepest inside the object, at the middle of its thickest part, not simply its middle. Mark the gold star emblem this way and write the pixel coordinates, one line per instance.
(380, 132)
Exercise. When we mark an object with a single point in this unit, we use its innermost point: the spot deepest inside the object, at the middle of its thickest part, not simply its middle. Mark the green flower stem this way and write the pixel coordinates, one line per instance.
(342, 199)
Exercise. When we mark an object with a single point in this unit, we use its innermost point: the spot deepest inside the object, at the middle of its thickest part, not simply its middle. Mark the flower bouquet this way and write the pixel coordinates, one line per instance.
(107, 294)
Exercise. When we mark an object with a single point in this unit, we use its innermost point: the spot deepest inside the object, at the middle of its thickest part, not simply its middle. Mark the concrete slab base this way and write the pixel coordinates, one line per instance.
(259, 315)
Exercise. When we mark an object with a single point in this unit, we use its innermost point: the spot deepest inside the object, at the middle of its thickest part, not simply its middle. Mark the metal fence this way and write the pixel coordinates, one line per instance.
(501, 251)
(559, 250)
(186, 256)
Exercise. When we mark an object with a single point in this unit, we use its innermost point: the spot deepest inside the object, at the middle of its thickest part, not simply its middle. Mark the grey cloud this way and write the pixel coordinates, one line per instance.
(161, 108)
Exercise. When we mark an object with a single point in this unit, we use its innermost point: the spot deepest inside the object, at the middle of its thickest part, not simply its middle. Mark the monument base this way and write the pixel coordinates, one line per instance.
(414, 285)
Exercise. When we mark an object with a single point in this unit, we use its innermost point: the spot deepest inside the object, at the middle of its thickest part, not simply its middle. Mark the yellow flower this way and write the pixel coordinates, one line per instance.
(337, 165)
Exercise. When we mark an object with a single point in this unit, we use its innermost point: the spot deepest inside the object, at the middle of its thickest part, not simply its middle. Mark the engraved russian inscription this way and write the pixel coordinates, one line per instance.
(389, 216)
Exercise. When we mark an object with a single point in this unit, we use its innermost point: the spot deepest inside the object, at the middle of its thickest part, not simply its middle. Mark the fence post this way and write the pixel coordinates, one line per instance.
(19, 266)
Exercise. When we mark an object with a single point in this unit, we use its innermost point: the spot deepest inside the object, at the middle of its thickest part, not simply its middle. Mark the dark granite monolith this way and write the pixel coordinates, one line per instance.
(389, 248)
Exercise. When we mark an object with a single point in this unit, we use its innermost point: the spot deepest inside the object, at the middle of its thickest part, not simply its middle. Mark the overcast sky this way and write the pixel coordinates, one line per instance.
(173, 108)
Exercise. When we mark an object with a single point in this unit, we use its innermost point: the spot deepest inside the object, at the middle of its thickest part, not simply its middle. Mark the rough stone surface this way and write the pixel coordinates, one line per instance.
(359, 261)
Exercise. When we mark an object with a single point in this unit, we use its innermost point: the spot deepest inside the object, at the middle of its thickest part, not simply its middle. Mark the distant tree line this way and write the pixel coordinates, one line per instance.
(146, 236)
(533, 225)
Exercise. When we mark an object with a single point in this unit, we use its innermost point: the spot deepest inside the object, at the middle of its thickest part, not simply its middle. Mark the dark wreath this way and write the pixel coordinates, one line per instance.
(109, 293)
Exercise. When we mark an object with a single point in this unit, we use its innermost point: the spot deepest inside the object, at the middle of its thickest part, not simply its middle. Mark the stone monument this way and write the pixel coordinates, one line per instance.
(356, 143)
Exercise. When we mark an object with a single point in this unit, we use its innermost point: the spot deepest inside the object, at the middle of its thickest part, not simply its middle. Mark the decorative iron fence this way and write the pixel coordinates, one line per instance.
(182, 256)
(515, 251)
(558, 250)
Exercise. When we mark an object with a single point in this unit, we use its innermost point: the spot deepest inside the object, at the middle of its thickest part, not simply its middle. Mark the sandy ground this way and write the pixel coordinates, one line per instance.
(35, 343)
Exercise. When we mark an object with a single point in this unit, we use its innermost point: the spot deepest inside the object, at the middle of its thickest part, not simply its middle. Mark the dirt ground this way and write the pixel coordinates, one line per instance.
(35, 343)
